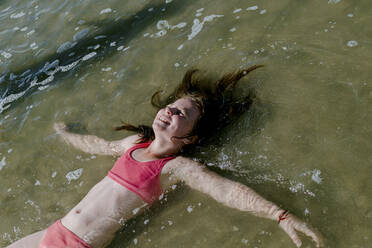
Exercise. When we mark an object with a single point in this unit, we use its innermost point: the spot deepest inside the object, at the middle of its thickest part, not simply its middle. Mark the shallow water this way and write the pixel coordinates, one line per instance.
(305, 146)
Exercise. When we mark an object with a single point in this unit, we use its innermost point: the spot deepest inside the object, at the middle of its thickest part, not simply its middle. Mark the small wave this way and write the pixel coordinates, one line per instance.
(9, 99)
(27, 80)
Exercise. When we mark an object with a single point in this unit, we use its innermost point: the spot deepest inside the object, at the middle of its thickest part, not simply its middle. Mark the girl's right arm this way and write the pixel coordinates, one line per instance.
(93, 144)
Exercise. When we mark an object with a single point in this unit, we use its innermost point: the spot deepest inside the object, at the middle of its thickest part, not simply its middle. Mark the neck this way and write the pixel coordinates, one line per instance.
(162, 148)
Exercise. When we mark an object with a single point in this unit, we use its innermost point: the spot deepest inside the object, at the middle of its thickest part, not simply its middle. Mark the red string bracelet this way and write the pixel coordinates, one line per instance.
(283, 216)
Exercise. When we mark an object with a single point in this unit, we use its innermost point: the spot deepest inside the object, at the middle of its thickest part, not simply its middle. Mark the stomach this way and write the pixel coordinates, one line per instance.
(102, 212)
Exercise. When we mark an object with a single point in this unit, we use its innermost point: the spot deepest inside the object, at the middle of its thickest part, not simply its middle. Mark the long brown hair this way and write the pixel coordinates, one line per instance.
(214, 100)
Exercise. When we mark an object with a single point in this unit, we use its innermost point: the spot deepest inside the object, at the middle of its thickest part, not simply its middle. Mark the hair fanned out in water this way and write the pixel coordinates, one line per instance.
(214, 100)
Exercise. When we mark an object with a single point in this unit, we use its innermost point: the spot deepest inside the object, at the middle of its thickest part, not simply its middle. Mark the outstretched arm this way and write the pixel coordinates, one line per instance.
(236, 195)
(93, 144)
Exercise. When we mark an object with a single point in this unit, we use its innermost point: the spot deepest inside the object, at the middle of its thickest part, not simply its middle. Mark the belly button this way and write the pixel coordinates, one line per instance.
(78, 211)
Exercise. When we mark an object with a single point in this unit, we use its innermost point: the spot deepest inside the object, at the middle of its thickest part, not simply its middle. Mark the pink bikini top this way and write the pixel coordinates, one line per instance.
(141, 178)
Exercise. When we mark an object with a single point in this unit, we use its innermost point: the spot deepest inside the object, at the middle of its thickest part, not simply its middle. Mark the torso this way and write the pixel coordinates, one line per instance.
(102, 211)
(106, 207)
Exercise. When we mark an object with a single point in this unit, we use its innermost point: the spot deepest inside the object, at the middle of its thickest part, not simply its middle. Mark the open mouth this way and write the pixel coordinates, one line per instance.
(162, 119)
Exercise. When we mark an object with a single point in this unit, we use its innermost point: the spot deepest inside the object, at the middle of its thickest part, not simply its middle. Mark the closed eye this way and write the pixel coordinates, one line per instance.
(178, 111)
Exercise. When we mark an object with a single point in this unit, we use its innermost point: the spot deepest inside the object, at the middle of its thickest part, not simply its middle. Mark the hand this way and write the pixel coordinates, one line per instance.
(290, 224)
(60, 127)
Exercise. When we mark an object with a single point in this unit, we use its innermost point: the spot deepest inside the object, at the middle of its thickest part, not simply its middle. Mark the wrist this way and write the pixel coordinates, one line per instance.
(283, 216)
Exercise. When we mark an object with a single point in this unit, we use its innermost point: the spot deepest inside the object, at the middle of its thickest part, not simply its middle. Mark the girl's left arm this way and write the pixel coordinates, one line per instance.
(238, 196)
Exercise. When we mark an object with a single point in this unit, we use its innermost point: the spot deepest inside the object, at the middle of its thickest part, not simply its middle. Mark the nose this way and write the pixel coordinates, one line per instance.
(170, 111)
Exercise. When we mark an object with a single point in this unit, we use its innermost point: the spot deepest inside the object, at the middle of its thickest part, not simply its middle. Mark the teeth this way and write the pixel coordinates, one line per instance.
(163, 120)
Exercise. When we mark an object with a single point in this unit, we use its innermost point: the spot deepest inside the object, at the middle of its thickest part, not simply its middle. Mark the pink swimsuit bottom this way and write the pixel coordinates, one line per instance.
(58, 236)
(141, 178)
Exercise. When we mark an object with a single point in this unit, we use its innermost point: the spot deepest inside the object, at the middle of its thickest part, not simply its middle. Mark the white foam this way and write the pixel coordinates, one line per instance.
(252, 8)
(189, 209)
(180, 47)
(161, 33)
(31, 32)
(65, 46)
(263, 11)
(105, 11)
(333, 1)
(74, 175)
(211, 17)
(198, 26)
(237, 11)
(100, 37)
(6, 55)
(33, 46)
(2, 163)
(136, 210)
(306, 212)
(316, 176)
(34, 205)
(6, 9)
(179, 25)
(297, 187)
(89, 56)
(352, 43)
(81, 34)
(162, 24)
(9, 99)
(17, 15)
(69, 66)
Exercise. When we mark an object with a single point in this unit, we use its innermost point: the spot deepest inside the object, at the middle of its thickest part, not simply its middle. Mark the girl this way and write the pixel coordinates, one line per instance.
(150, 163)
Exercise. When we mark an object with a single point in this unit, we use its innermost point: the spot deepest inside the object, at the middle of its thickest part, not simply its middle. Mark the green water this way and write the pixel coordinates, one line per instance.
(306, 145)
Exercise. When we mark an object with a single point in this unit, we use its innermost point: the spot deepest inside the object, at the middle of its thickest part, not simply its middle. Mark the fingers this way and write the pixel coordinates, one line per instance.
(292, 224)
(59, 126)
(307, 231)
(293, 235)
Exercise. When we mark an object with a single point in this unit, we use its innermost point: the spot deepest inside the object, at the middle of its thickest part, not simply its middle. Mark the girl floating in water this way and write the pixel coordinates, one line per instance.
(150, 164)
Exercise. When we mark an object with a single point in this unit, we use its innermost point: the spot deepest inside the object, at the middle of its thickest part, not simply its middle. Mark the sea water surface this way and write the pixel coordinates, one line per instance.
(305, 145)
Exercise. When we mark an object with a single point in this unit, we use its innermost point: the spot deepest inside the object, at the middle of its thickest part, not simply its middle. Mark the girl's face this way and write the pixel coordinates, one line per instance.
(177, 119)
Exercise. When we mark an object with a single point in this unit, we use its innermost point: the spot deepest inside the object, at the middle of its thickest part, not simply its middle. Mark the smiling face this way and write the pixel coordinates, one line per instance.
(177, 119)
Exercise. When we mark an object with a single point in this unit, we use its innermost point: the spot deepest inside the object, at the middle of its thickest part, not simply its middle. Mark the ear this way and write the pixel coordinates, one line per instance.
(190, 140)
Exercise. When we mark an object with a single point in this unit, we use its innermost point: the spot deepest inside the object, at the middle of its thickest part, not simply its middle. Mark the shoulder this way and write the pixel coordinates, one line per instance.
(130, 141)
(181, 165)
(121, 146)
